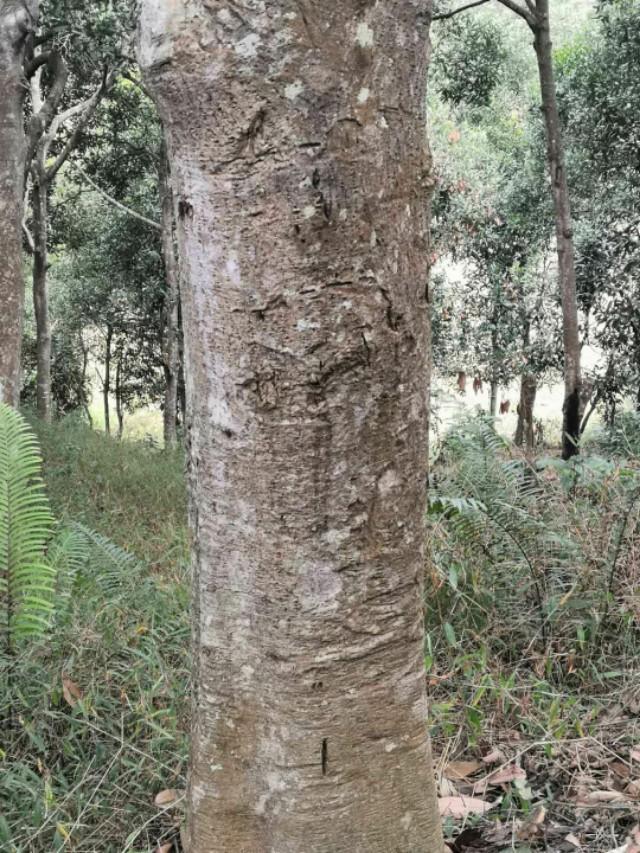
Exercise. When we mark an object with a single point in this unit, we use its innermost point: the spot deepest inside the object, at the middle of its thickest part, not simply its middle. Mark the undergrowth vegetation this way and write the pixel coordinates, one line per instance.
(532, 630)
(95, 714)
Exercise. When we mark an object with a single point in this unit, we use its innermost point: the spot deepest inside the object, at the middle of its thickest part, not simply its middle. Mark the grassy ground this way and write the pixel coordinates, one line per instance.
(95, 720)
(532, 643)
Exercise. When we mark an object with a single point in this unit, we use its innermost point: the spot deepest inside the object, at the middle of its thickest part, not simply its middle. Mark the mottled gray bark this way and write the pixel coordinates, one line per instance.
(17, 23)
(299, 159)
(171, 331)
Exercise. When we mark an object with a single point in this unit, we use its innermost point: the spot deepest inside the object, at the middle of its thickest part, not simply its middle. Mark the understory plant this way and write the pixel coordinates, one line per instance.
(531, 557)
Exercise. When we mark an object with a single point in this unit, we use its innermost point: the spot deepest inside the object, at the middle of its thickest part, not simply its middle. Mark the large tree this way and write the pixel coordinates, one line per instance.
(302, 178)
(17, 24)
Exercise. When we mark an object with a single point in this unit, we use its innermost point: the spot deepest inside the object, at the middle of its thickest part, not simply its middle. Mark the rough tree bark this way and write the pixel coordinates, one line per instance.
(17, 23)
(297, 139)
(171, 339)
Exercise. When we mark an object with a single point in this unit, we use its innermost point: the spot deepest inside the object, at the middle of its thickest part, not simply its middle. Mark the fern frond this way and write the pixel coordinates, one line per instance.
(28, 583)
(112, 568)
(68, 554)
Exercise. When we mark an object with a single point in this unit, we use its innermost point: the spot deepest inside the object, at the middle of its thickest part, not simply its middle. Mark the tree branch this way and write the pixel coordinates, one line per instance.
(36, 62)
(115, 202)
(87, 110)
(444, 16)
(43, 118)
(521, 11)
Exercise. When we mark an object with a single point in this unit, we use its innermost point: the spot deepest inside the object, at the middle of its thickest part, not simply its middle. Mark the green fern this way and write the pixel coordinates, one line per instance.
(112, 569)
(27, 579)
(68, 554)
(490, 511)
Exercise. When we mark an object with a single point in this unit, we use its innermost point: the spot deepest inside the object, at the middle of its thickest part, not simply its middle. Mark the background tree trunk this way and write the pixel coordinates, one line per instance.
(302, 176)
(493, 399)
(106, 384)
(171, 342)
(525, 433)
(118, 395)
(41, 299)
(17, 22)
(564, 232)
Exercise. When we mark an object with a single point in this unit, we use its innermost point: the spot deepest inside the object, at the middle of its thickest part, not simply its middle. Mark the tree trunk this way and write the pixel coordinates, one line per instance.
(41, 299)
(82, 390)
(118, 393)
(525, 432)
(297, 135)
(17, 22)
(564, 232)
(493, 399)
(106, 384)
(171, 341)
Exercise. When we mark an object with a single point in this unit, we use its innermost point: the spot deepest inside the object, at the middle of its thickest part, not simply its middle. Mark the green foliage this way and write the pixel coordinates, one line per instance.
(599, 88)
(470, 61)
(531, 616)
(529, 557)
(620, 439)
(131, 492)
(100, 714)
(495, 308)
(27, 579)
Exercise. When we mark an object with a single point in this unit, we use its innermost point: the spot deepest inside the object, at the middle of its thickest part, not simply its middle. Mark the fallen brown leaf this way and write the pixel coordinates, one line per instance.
(532, 827)
(494, 757)
(621, 769)
(70, 691)
(500, 777)
(457, 770)
(595, 798)
(461, 807)
(165, 798)
(164, 848)
(571, 839)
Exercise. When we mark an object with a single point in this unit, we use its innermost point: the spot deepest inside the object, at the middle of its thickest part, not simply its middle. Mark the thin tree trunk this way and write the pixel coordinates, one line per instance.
(564, 232)
(17, 22)
(493, 399)
(118, 392)
(525, 432)
(171, 332)
(41, 300)
(106, 384)
(297, 135)
(82, 391)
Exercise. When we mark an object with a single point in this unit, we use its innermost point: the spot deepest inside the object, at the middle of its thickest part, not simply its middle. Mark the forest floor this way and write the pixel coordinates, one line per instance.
(537, 742)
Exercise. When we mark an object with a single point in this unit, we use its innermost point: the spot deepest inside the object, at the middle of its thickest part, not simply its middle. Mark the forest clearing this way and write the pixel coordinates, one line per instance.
(319, 426)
